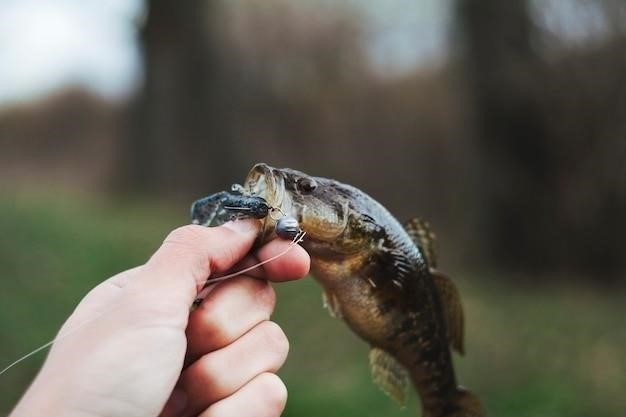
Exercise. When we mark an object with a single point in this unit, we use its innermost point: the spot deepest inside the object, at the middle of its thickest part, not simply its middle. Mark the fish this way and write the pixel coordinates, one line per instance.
(380, 277)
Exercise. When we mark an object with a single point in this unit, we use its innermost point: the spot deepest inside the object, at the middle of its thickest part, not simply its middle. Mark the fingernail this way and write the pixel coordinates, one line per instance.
(242, 226)
(176, 404)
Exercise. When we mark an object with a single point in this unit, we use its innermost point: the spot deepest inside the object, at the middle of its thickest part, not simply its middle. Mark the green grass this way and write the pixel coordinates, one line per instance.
(53, 250)
(556, 350)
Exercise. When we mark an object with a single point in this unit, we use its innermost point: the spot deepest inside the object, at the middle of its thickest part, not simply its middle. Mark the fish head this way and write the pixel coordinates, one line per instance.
(320, 205)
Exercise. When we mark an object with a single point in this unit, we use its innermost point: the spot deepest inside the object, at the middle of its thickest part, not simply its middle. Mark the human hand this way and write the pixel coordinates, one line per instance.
(131, 343)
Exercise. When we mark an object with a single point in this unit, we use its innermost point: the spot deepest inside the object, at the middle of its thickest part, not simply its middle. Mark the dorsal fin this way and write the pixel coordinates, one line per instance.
(424, 238)
(419, 230)
(452, 310)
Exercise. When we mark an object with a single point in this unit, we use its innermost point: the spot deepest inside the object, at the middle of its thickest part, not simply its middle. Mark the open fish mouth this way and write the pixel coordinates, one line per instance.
(266, 182)
(262, 197)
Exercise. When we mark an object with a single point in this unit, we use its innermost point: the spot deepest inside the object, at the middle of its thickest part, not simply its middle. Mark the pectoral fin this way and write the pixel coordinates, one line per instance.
(331, 303)
(424, 238)
(452, 309)
(389, 375)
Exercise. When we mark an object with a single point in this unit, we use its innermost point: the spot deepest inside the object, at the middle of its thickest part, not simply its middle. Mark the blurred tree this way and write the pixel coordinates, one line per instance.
(179, 138)
(539, 123)
(516, 162)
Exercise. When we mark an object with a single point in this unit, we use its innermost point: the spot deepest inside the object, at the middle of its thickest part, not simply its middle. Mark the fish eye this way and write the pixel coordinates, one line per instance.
(306, 185)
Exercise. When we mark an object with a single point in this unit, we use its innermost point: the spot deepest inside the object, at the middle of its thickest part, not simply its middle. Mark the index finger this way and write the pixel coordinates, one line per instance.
(290, 261)
(276, 261)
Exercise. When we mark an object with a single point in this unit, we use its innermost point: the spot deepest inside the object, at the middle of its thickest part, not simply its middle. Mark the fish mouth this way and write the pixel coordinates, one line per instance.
(267, 182)
(263, 196)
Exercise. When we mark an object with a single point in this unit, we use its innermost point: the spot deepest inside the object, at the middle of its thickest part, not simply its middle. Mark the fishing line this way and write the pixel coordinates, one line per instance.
(58, 338)
(297, 239)
(28, 355)
(210, 281)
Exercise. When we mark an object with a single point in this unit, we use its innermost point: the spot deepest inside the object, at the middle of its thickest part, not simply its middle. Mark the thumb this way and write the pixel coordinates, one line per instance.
(188, 256)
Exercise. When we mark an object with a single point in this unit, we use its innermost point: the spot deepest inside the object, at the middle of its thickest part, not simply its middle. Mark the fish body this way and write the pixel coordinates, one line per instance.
(379, 277)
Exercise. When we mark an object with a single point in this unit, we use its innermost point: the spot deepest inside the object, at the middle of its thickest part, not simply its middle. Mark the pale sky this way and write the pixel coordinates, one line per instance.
(50, 44)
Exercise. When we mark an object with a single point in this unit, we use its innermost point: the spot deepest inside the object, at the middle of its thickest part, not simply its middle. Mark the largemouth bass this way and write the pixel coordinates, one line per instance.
(380, 277)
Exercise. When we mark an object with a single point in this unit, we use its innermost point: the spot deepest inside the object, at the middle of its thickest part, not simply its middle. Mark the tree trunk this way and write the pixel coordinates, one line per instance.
(517, 164)
(179, 139)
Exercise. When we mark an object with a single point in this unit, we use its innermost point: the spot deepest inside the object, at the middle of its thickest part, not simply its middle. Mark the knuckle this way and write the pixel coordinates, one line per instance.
(275, 339)
(224, 255)
(213, 377)
(183, 243)
(274, 393)
(213, 319)
(223, 320)
(265, 296)
(185, 235)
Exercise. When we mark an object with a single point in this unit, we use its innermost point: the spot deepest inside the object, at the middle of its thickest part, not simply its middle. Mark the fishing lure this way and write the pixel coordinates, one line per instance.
(224, 206)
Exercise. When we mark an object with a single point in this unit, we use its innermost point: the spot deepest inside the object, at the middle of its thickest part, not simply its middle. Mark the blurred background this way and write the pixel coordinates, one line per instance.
(503, 123)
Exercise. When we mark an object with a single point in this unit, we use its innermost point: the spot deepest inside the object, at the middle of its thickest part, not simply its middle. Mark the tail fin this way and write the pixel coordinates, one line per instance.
(466, 404)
